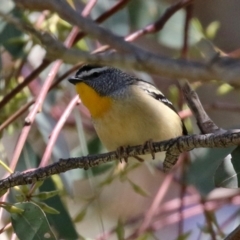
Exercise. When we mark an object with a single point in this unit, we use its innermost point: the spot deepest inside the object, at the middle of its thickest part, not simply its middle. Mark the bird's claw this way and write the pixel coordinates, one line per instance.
(149, 145)
(122, 153)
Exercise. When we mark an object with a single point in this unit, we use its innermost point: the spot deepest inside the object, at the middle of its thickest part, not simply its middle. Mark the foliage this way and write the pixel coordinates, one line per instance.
(128, 201)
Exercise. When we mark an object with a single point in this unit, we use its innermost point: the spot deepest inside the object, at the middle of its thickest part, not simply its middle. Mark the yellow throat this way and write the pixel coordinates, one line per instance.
(96, 104)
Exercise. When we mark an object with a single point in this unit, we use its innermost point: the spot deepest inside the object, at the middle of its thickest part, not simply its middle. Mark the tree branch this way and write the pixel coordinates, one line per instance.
(174, 146)
(221, 69)
(205, 124)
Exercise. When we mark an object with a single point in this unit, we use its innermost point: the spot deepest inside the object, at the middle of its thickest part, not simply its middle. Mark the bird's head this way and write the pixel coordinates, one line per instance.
(104, 80)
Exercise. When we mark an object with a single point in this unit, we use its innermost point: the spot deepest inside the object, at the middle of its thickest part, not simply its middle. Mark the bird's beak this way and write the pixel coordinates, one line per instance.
(74, 80)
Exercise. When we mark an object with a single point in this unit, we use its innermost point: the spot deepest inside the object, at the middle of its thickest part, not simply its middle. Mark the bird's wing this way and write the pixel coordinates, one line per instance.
(155, 93)
(158, 95)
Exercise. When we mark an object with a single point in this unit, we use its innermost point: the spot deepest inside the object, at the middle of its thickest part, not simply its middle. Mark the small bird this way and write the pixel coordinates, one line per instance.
(125, 110)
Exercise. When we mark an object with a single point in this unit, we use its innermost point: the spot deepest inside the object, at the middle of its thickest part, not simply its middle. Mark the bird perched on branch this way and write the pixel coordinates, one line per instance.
(125, 110)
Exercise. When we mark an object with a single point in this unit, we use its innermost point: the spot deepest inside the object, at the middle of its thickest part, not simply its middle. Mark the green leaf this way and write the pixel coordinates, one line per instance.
(46, 195)
(46, 208)
(46, 124)
(128, 169)
(108, 180)
(80, 216)
(138, 189)
(212, 29)
(12, 38)
(120, 230)
(227, 174)
(62, 222)
(11, 208)
(2, 192)
(146, 236)
(32, 223)
(184, 236)
(172, 33)
(204, 164)
(224, 89)
(94, 146)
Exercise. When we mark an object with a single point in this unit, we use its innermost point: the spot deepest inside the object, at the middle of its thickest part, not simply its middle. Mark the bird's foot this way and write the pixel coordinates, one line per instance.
(149, 145)
(122, 153)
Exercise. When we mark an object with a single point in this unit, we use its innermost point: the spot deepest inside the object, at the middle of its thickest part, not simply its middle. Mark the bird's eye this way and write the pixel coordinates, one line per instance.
(95, 74)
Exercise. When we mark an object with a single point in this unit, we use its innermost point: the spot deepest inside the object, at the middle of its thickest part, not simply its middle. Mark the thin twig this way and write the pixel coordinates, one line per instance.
(16, 115)
(156, 203)
(208, 218)
(159, 24)
(153, 27)
(189, 11)
(192, 207)
(56, 131)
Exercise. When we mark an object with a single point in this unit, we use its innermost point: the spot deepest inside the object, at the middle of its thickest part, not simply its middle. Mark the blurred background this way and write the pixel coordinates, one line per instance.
(118, 200)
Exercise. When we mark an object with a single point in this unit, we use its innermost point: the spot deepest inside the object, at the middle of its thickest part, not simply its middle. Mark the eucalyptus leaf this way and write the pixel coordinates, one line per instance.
(227, 174)
(61, 222)
(204, 164)
(32, 223)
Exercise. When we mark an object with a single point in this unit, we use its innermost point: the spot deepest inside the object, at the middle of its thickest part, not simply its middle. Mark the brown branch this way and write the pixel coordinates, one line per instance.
(64, 10)
(150, 214)
(56, 131)
(24, 108)
(65, 75)
(105, 16)
(208, 218)
(227, 70)
(189, 11)
(234, 235)
(44, 90)
(159, 24)
(153, 27)
(205, 124)
(174, 146)
(222, 69)
(16, 115)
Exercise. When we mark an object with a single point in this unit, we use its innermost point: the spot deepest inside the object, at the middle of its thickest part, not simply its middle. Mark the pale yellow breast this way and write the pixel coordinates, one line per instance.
(136, 120)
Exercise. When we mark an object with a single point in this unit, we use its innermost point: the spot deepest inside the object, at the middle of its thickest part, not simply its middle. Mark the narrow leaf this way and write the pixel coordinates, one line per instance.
(120, 230)
(80, 216)
(138, 189)
(46, 195)
(46, 208)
